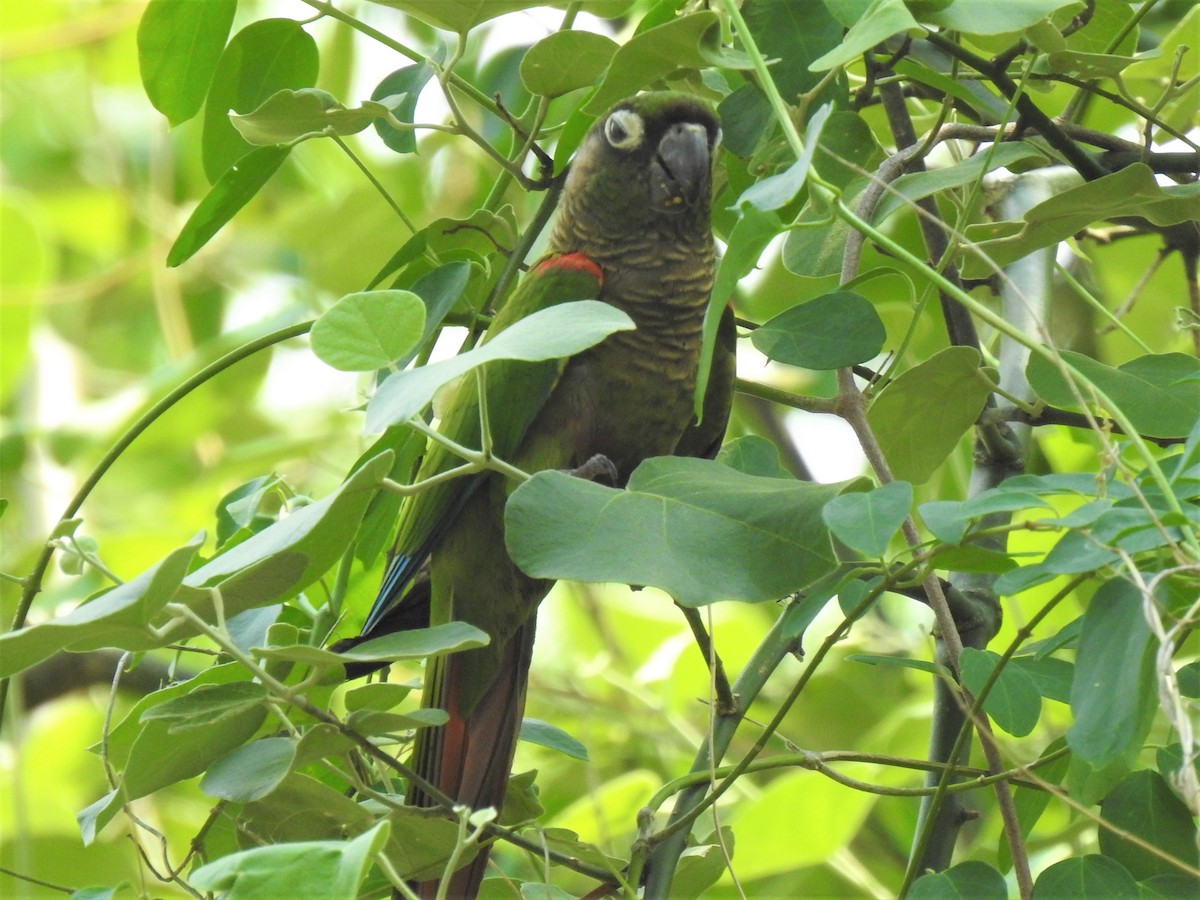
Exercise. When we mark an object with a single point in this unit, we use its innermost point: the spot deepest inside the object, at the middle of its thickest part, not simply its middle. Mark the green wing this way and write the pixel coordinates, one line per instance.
(515, 392)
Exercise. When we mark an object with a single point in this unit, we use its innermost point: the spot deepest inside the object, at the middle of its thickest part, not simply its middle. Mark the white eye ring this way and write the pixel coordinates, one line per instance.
(624, 129)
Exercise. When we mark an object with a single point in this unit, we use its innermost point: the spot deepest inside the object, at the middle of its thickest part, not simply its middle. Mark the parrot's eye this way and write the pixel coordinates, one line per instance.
(624, 129)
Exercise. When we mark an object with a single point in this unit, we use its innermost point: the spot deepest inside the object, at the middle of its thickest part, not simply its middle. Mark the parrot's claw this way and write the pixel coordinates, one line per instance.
(599, 469)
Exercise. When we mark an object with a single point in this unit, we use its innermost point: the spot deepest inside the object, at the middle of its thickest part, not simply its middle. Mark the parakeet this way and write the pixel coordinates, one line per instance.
(633, 230)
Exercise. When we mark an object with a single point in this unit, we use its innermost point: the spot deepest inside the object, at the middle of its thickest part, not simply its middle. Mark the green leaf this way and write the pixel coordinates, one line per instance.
(535, 731)
(907, 189)
(1144, 806)
(460, 16)
(179, 44)
(985, 17)
(314, 536)
(688, 526)
(1160, 393)
(653, 54)
(264, 57)
(701, 866)
(1013, 701)
(372, 722)
(791, 35)
(1132, 191)
(1088, 877)
(251, 771)
(405, 83)
(919, 417)
(233, 190)
(157, 758)
(832, 331)
(550, 333)
(778, 190)
(900, 662)
(814, 247)
(566, 60)
(881, 20)
(419, 643)
(117, 618)
(326, 869)
(207, 705)
(867, 521)
(1112, 695)
(289, 117)
(379, 695)
(970, 880)
(753, 455)
(369, 330)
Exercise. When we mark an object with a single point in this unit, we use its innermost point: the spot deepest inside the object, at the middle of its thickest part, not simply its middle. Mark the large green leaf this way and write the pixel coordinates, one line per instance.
(970, 880)
(1088, 877)
(406, 84)
(985, 17)
(462, 15)
(1013, 701)
(566, 60)
(557, 331)
(878, 23)
(327, 869)
(264, 57)
(1159, 393)
(699, 530)
(1144, 805)
(179, 44)
(251, 771)
(1112, 695)
(829, 332)
(1132, 191)
(652, 54)
(920, 416)
(369, 330)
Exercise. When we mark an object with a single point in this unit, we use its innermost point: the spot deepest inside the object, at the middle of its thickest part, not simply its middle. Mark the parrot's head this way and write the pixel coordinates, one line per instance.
(648, 161)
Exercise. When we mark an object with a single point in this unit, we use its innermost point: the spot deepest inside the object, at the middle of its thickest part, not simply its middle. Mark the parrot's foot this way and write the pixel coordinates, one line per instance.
(599, 469)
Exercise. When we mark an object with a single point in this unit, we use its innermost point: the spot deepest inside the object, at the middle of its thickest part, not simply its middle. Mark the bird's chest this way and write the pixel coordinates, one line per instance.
(629, 400)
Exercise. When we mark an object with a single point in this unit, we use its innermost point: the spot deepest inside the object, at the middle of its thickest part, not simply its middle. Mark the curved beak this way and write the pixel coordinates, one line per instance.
(682, 167)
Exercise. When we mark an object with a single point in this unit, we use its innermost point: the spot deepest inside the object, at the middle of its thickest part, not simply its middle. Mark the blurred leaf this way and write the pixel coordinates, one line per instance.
(264, 57)
(867, 521)
(550, 333)
(233, 190)
(970, 880)
(179, 44)
(251, 771)
(369, 330)
(1144, 806)
(1112, 696)
(378, 695)
(920, 416)
(1159, 393)
(1013, 701)
(535, 731)
(407, 83)
(566, 60)
(328, 869)
(688, 526)
(832, 331)
(1086, 878)
(288, 117)
(901, 662)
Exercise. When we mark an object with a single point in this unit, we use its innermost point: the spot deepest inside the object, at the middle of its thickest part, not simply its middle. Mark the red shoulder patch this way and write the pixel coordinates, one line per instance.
(571, 262)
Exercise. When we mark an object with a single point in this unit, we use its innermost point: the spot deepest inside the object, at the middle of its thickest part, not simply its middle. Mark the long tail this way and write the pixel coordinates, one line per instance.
(470, 757)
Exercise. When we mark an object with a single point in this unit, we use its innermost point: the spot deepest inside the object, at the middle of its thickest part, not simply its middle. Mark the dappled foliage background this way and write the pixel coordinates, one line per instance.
(96, 327)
